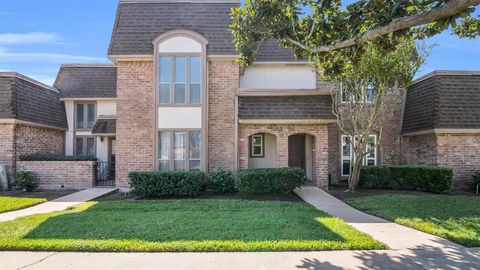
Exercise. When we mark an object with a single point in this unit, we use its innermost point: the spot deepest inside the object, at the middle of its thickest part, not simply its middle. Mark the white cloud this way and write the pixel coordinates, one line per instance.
(7, 56)
(29, 38)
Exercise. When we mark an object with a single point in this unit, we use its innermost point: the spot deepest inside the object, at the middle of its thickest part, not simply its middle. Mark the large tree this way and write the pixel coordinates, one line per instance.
(367, 46)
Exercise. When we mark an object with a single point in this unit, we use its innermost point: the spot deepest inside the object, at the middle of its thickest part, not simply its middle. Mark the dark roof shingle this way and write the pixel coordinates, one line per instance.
(285, 107)
(24, 99)
(447, 100)
(105, 126)
(87, 81)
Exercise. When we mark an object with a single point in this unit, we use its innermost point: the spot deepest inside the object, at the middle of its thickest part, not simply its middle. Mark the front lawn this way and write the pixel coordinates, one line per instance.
(12, 203)
(184, 225)
(456, 218)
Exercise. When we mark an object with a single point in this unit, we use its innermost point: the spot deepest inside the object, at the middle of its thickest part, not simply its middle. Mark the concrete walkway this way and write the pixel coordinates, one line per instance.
(427, 251)
(59, 204)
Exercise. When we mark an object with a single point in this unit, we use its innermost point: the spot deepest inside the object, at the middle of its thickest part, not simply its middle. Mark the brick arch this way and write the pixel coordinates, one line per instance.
(302, 132)
(257, 131)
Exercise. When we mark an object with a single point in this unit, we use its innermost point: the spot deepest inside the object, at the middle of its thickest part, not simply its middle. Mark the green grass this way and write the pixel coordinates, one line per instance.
(184, 225)
(12, 203)
(456, 218)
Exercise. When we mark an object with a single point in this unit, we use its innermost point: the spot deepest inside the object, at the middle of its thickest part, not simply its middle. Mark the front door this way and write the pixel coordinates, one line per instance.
(296, 151)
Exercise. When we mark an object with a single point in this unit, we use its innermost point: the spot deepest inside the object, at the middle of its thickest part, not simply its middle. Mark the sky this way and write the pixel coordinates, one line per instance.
(37, 36)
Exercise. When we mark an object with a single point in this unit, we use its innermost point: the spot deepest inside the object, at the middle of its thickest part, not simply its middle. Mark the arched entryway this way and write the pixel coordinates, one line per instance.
(300, 152)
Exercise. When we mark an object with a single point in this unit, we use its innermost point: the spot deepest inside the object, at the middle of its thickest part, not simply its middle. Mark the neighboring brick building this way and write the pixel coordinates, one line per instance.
(176, 99)
(32, 119)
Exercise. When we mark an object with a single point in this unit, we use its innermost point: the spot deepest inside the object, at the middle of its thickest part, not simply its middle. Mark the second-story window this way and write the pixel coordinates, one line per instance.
(84, 115)
(180, 79)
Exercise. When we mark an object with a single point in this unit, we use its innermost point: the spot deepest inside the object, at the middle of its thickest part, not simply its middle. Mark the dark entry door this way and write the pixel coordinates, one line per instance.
(296, 151)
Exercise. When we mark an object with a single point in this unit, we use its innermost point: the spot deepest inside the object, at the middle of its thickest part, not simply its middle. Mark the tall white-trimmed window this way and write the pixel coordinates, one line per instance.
(257, 145)
(84, 116)
(180, 79)
(348, 157)
(179, 150)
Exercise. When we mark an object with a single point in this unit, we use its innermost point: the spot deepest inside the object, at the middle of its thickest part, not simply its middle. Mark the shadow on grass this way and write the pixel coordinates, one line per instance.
(191, 220)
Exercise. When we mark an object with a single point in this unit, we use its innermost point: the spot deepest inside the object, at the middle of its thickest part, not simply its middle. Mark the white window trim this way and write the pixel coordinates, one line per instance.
(252, 154)
(352, 156)
(367, 101)
(171, 157)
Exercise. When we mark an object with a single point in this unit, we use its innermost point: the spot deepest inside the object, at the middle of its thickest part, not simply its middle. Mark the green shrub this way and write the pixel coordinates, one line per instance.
(166, 184)
(221, 181)
(424, 178)
(52, 157)
(274, 180)
(476, 178)
(25, 181)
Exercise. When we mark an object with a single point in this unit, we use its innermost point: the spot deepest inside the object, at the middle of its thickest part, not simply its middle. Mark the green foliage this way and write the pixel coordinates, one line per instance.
(468, 28)
(221, 181)
(166, 184)
(426, 178)
(307, 25)
(13, 203)
(184, 226)
(272, 180)
(53, 157)
(456, 218)
(25, 181)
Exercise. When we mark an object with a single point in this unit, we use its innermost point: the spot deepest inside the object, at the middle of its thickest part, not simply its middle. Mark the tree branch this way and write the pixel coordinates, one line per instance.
(449, 9)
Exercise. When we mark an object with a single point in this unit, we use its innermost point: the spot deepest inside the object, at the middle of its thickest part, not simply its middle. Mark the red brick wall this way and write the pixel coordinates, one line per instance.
(462, 154)
(223, 83)
(389, 150)
(282, 132)
(421, 149)
(61, 174)
(32, 140)
(135, 119)
(334, 149)
(7, 146)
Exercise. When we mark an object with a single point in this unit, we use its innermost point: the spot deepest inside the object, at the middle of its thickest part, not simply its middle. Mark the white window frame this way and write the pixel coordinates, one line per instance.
(367, 100)
(171, 144)
(252, 154)
(85, 115)
(352, 156)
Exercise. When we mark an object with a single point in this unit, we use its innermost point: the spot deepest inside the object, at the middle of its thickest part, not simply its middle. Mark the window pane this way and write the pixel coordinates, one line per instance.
(164, 146)
(179, 146)
(346, 147)
(194, 165)
(164, 165)
(257, 140)
(79, 146)
(179, 165)
(195, 70)
(165, 69)
(80, 116)
(90, 115)
(90, 147)
(179, 93)
(345, 167)
(164, 93)
(257, 150)
(194, 144)
(180, 70)
(370, 93)
(195, 94)
(370, 162)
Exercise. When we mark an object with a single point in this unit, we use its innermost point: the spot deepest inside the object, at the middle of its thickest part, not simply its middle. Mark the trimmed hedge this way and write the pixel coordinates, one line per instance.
(435, 179)
(50, 157)
(272, 180)
(221, 181)
(166, 184)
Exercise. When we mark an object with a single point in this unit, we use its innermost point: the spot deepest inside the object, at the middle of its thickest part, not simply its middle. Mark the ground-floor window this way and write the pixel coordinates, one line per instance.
(85, 146)
(179, 150)
(348, 156)
(257, 145)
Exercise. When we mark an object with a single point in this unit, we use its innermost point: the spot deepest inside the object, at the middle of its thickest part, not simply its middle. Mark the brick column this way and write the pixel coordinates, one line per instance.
(135, 119)
(321, 157)
(282, 150)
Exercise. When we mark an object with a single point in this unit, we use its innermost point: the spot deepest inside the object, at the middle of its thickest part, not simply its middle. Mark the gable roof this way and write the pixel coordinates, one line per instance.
(87, 81)
(443, 100)
(25, 99)
(139, 22)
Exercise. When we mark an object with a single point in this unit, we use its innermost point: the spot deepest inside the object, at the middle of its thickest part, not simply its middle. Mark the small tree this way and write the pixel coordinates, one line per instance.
(370, 91)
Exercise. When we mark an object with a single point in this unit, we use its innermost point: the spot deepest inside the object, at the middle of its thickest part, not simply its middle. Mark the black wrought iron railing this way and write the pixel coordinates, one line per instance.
(105, 173)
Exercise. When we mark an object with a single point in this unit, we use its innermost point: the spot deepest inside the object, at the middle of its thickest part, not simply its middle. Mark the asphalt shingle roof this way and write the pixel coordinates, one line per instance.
(138, 23)
(87, 81)
(446, 100)
(285, 107)
(24, 99)
(105, 126)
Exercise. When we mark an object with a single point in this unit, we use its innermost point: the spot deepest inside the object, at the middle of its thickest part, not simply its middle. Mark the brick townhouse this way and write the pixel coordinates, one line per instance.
(176, 99)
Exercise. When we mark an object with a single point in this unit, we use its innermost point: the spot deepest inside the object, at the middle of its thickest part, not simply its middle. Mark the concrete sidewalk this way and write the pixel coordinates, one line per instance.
(59, 204)
(428, 251)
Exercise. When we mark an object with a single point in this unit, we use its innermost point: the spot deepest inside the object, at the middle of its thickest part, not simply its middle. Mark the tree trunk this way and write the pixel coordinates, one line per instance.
(354, 177)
